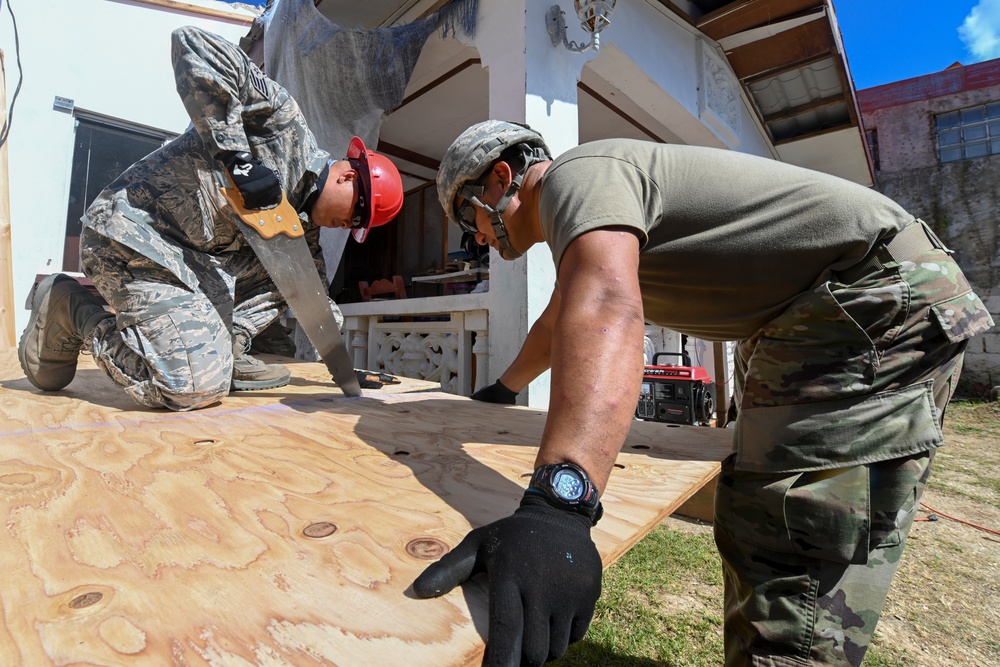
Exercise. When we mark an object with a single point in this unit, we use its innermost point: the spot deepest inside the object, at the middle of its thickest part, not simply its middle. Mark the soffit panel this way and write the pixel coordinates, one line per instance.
(838, 152)
(734, 17)
(778, 52)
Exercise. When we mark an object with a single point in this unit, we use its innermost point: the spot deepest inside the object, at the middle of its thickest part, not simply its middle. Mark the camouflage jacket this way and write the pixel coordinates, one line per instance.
(170, 202)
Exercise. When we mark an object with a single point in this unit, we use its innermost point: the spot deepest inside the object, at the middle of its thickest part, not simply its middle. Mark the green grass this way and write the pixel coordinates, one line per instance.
(662, 601)
(638, 622)
(879, 656)
(970, 474)
(973, 417)
(654, 609)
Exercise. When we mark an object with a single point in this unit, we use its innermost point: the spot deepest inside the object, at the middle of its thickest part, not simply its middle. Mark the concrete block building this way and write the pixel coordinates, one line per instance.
(935, 145)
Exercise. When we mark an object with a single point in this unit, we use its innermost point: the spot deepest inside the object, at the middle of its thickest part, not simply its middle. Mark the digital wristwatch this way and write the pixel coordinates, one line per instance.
(567, 486)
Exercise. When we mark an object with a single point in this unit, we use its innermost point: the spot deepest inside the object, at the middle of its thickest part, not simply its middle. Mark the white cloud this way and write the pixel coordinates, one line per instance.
(981, 30)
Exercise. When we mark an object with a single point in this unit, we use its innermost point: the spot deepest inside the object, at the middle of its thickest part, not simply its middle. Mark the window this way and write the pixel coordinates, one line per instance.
(968, 133)
(104, 148)
(872, 137)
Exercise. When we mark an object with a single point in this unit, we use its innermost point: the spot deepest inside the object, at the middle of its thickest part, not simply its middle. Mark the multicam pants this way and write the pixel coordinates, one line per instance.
(841, 401)
(171, 345)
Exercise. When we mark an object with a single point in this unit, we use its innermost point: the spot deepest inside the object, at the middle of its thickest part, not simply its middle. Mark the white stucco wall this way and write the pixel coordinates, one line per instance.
(653, 60)
(109, 57)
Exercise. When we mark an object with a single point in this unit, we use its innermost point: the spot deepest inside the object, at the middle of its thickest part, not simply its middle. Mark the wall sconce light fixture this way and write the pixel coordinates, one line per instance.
(593, 19)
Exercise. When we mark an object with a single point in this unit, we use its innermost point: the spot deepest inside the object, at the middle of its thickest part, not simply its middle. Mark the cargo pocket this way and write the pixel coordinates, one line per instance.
(827, 514)
(838, 434)
(843, 515)
(896, 488)
(821, 515)
(962, 317)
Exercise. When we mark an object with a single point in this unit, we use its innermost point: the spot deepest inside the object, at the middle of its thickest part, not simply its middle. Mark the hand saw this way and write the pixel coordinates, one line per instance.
(277, 237)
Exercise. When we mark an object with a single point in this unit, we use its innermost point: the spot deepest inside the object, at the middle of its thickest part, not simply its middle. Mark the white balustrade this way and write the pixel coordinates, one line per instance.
(441, 339)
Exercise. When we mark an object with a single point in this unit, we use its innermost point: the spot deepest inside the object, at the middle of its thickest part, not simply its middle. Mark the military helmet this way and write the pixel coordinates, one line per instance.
(472, 153)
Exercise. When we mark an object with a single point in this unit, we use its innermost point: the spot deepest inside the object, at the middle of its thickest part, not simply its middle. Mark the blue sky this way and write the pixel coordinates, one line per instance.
(892, 40)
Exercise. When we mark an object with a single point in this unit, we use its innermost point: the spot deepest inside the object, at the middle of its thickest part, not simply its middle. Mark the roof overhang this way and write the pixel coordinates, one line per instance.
(789, 58)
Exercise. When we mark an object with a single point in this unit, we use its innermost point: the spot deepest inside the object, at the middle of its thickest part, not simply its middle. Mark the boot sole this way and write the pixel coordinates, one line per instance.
(38, 304)
(251, 385)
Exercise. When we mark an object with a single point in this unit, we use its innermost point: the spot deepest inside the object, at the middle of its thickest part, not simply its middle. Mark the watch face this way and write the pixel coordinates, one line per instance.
(567, 485)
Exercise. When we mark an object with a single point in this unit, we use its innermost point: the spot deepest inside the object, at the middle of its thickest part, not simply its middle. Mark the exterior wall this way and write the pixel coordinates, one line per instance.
(959, 200)
(110, 58)
(656, 61)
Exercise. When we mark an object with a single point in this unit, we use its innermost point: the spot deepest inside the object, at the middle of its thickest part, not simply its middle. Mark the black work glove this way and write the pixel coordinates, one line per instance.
(374, 379)
(496, 393)
(258, 184)
(544, 580)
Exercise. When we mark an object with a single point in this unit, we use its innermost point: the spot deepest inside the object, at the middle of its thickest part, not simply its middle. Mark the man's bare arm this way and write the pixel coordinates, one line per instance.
(597, 353)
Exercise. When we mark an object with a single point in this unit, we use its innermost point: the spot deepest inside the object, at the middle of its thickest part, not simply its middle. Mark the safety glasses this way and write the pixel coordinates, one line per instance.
(359, 205)
(465, 215)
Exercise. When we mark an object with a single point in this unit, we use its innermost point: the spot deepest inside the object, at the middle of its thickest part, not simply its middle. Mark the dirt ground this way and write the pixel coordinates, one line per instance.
(944, 606)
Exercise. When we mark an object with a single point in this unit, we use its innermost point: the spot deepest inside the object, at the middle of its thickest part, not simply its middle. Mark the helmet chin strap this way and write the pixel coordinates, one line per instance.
(499, 228)
(530, 156)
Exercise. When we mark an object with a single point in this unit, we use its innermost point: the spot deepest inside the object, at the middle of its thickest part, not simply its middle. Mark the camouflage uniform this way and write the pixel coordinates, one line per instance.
(165, 249)
(854, 321)
(841, 402)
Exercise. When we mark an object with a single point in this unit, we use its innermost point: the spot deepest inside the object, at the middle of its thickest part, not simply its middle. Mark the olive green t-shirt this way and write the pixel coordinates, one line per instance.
(728, 239)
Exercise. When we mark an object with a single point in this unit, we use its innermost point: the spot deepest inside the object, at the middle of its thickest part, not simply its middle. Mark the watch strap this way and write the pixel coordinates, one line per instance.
(588, 504)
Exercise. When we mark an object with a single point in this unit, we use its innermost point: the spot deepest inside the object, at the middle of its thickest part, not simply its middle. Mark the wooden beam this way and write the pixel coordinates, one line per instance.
(438, 81)
(677, 10)
(721, 384)
(408, 155)
(816, 133)
(418, 177)
(782, 51)
(193, 8)
(8, 334)
(814, 105)
(739, 16)
(632, 121)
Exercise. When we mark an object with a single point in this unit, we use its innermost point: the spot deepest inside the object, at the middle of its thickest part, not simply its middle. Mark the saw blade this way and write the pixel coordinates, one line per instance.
(277, 237)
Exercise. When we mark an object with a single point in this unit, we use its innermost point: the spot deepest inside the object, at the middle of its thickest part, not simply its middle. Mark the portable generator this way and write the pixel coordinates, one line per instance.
(676, 394)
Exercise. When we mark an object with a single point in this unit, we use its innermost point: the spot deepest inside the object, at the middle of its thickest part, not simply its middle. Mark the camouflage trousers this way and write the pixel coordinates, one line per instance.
(841, 402)
(170, 345)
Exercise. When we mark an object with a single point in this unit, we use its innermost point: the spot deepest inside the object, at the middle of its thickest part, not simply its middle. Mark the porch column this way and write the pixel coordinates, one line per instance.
(356, 329)
(531, 82)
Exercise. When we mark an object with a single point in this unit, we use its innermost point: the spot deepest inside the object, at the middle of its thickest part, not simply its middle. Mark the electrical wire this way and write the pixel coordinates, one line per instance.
(20, 78)
(967, 523)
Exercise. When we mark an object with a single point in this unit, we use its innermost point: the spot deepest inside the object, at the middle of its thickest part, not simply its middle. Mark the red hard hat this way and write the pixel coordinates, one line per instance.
(382, 185)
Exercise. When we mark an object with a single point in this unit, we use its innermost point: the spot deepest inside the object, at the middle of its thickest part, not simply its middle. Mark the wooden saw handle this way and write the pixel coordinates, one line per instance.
(281, 219)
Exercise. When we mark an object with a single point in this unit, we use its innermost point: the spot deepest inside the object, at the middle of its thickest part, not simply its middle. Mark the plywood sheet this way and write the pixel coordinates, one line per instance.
(276, 528)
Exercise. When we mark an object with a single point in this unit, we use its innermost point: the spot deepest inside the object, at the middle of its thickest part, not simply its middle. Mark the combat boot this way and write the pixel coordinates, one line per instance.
(250, 373)
(63, 313)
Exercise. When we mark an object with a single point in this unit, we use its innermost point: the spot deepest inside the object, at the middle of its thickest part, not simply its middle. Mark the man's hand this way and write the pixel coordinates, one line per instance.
(544, 580)
(496, 393)
(258, 184)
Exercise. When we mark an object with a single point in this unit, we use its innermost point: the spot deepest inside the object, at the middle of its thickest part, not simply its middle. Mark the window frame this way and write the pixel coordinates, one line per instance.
(968, 133)
(79, 194)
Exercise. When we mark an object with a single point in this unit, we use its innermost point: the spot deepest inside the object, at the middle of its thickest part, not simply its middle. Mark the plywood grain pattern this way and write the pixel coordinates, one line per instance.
(275, 528)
